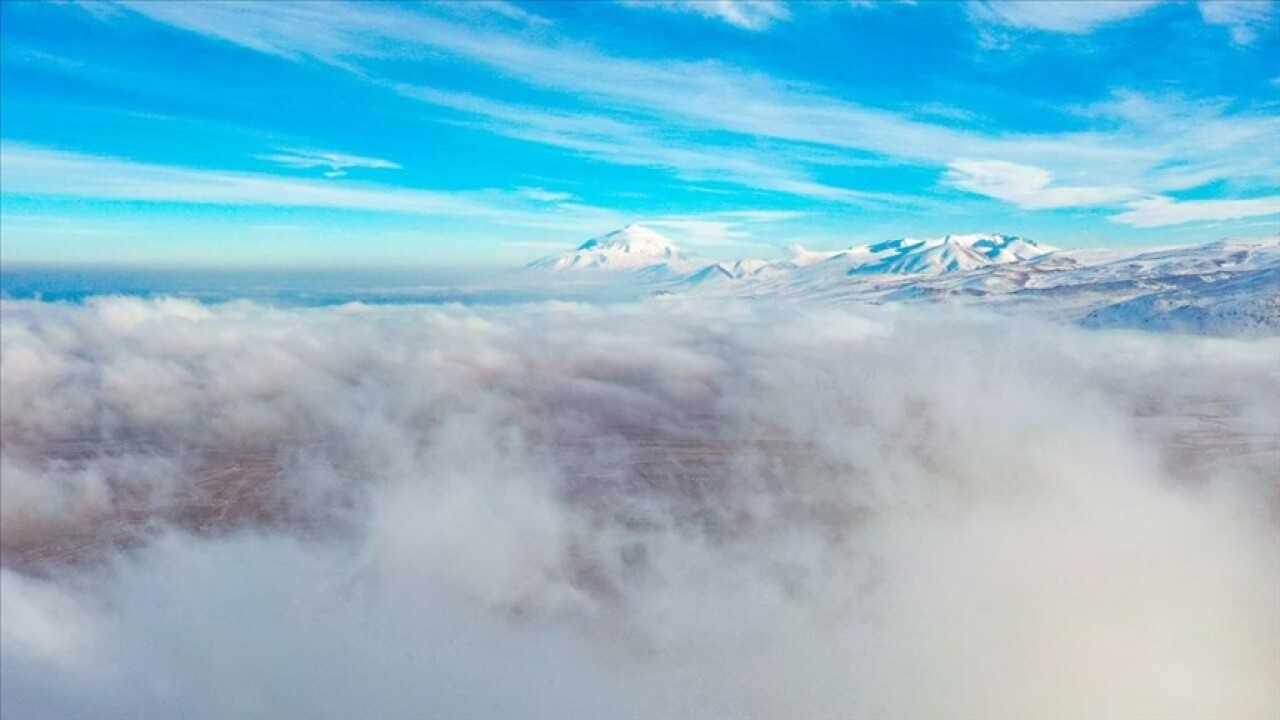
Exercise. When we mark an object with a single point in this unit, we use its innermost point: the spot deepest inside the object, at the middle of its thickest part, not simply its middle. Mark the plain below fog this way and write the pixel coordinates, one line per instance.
(664, 509)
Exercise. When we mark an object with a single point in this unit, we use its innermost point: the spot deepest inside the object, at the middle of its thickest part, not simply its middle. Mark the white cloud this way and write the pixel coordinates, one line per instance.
(1242, 19)
(627, 140)
(745, 14)
(29, 170)
(1162, 211)
(727, 228)
(860, 4)
(40, 619)
(1065, 16)
(1189, 142)
(548, 245)
(1026, 186)
(632, 510)
(338, 163)
(661, 113)
(702, 232)
(543, 195)
(41, 171)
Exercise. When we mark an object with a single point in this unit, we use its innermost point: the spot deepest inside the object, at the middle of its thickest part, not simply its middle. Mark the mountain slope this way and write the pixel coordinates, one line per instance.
(934, 256)
(1224, 287)
(634, 249)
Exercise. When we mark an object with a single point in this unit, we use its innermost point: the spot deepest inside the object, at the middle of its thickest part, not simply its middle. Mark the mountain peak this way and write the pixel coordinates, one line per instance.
(940, 255)
(633, 238)
(634, 248)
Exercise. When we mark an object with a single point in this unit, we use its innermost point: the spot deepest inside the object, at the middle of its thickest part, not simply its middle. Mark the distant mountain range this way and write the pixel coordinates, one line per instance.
(636, 248)
(1225, 287)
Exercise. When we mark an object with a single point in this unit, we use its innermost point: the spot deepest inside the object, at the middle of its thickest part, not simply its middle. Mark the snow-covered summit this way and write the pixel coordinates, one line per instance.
(932, 256)
(634, 239)
(1224, 287)
(634, 248)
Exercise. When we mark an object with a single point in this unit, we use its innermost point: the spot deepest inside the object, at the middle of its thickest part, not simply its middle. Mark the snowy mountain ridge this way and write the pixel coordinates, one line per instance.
(946, 254)
(636, 247)
(1223, 287)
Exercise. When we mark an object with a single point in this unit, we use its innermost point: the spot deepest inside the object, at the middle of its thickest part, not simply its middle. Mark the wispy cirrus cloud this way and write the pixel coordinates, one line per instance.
(1064, 16)
(1243, 20)
(1033, 188)
(337, 163)
(1026, 186)
(665, 114)
(27, 170)
(35, 170)
(704, 94)
(729, 228)
(45, 172)
(632, 141)
(1163, 211)
(744, 14)
(544, 195)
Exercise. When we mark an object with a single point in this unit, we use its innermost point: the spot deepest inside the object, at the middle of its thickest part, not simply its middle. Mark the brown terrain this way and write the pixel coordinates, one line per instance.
(687, 477)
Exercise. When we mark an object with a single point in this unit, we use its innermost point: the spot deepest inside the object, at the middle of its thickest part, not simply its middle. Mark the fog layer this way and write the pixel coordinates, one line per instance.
(675, 509)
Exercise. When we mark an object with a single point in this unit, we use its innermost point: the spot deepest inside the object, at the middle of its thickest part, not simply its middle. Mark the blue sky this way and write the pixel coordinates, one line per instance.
(492, 133)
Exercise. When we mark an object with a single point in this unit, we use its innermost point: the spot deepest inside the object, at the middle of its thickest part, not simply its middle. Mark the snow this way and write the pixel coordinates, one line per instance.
(1225, 287)
(634, 248)
(941, 255)
(1229, 286)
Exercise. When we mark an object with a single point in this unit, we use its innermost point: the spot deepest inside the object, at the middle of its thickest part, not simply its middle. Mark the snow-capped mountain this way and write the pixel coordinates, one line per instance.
(914, 257)
(638, 249)
(934, 256)
(903, 256)
(634, 249)
(1224, 287)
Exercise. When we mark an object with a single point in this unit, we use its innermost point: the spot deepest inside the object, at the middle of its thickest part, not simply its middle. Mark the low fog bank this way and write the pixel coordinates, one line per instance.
(313, 287)
(671, 508)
